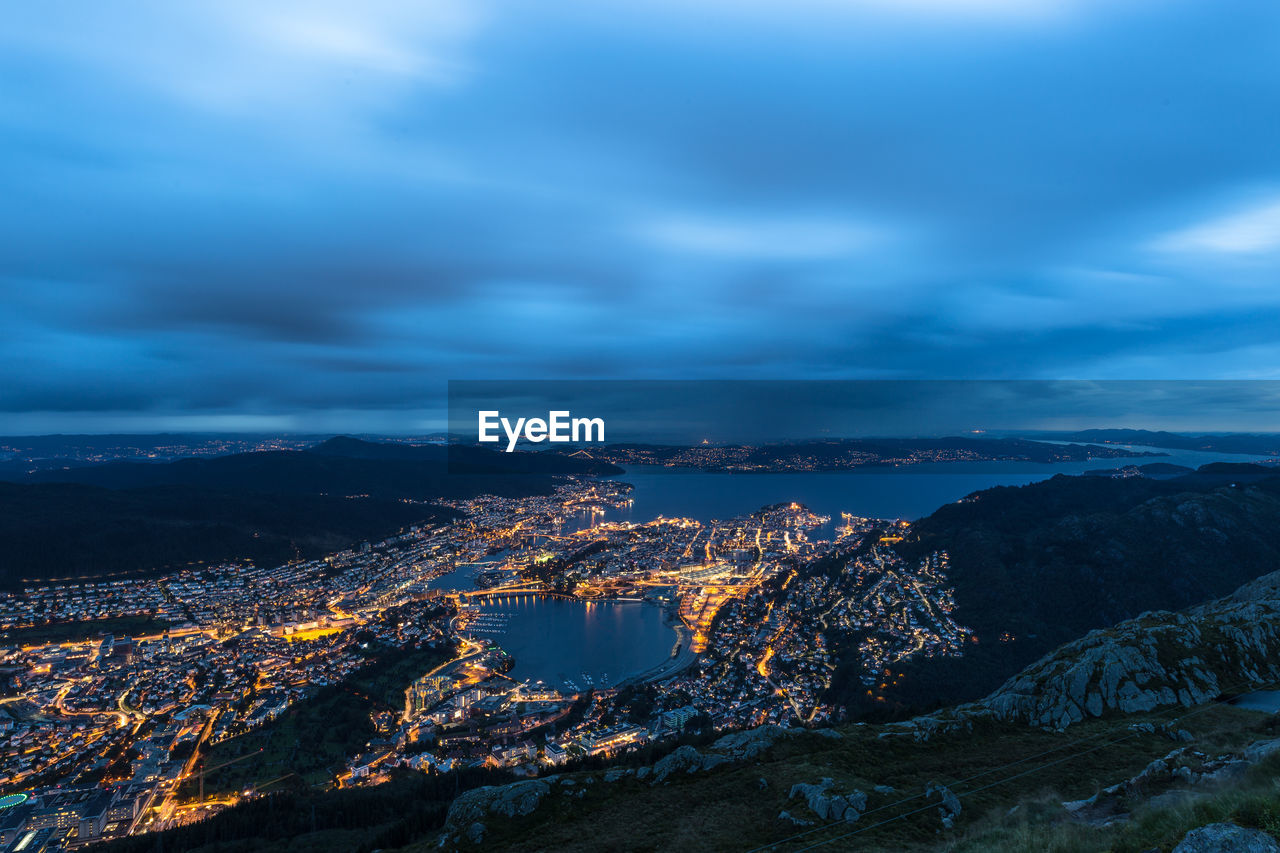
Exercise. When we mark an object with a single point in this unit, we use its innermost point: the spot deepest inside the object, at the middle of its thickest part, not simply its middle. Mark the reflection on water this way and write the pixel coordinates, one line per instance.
(579, 644)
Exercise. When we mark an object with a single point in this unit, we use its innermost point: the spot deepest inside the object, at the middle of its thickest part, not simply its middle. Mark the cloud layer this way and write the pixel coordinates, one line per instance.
(305, 213)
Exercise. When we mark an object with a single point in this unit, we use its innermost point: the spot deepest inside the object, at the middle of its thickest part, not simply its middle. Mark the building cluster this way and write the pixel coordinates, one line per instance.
(773, 651)
(465, 716)
(86, 601)
(903, 612)
(72, 817)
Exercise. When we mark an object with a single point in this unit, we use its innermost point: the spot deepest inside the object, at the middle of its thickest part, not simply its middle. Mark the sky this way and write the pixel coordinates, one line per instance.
(763, 411)
(310, 216)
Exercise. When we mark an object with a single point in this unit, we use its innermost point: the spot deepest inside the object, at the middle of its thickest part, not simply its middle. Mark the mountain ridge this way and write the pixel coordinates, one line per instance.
(139, 519)
(1037, 566)
(1157, 660)
(344, 466)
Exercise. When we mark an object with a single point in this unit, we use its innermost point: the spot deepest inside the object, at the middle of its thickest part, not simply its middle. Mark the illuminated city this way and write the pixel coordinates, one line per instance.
(121, 732)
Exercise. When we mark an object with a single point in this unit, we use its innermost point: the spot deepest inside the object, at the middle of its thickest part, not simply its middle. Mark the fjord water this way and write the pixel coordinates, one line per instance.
(558, 640)
(907, 492)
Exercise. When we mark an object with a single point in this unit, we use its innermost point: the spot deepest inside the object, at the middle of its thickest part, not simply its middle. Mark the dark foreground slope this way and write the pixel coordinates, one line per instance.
(135, 518)
(1037, 566)
(1158, 754)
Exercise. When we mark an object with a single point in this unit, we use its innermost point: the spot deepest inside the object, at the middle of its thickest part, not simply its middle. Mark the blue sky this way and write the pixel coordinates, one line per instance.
(311, 215)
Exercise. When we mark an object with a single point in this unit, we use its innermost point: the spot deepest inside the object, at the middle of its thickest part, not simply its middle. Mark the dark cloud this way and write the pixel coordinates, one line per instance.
(226, 209)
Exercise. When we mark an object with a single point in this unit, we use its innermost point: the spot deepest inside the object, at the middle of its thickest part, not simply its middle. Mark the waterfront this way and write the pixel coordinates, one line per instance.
(909, 493)
(567, 643)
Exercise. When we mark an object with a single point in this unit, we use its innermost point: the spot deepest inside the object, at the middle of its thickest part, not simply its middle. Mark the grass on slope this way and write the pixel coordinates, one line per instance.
(729, 809)
(1043, 824)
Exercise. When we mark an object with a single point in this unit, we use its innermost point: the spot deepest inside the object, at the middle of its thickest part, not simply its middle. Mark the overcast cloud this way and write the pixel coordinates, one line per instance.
(291, 215)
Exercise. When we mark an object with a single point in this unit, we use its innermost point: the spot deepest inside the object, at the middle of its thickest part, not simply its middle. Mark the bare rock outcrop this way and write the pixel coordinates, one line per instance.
(828, 804)
(473, 807)
(1158, 660)
(1227, 838)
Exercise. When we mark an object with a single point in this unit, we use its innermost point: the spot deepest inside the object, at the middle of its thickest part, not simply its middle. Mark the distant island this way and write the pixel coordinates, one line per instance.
(851, 453)
(1261, 444)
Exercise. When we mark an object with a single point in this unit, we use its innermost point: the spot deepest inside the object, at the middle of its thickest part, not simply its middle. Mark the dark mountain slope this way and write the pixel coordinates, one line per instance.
(1037, 566)
(77, 531)
(137, 518)
(346, 466)
(462, 458)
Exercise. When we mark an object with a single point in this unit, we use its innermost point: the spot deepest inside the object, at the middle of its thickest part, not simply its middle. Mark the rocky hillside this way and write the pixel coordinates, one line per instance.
(1158, 660)
(1038, 566)
(995, 787)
